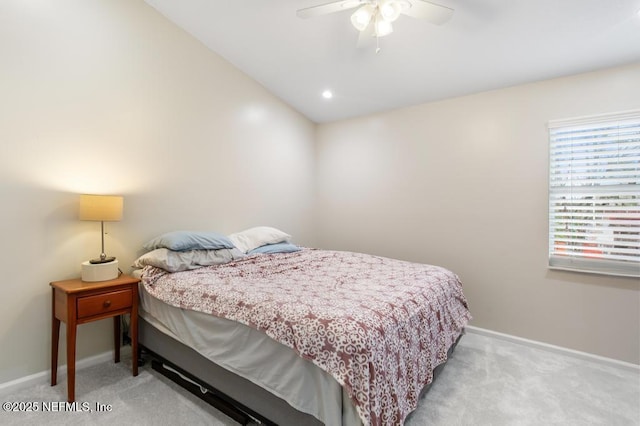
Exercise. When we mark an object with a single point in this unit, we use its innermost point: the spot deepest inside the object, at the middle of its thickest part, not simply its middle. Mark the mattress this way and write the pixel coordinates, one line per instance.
(254, 356)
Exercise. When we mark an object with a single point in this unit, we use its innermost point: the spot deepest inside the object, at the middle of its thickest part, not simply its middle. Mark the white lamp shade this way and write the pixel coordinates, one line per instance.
(107, 208)
(390, 10)
(362, 17)
(383, 27)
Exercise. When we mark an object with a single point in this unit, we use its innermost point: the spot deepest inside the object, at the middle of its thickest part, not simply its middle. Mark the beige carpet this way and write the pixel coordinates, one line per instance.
(486, 382)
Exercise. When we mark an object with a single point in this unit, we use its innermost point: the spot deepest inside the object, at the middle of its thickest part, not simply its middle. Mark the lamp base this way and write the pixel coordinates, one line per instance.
(92, 272)
(101, 260)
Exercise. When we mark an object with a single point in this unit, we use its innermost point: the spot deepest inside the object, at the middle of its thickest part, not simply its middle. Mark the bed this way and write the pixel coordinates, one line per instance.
(306, 336)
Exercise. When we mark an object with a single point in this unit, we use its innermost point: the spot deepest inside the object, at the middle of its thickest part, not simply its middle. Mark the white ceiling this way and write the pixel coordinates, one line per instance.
(488, 44)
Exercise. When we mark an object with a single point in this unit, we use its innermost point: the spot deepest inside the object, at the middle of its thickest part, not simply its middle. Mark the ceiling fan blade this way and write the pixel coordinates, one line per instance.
(434, 13)
(324, 9)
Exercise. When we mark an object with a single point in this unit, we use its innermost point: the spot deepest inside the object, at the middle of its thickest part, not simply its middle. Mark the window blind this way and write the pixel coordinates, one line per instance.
(594, 194)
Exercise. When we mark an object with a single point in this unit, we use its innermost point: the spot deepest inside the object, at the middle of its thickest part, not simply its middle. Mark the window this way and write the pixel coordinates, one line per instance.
(594, 194)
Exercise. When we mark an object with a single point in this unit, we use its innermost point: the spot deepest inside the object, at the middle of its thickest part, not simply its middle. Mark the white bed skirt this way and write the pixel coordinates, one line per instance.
(256, 357)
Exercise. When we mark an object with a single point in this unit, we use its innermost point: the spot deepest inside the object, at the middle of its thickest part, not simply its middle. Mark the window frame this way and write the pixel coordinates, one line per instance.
(596, 191)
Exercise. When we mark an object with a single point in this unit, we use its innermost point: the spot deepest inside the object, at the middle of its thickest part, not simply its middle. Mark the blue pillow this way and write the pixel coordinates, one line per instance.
(185, 240)
(275, 248)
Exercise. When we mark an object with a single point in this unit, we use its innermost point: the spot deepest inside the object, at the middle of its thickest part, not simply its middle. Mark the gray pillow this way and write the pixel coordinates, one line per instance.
(275, 248)
(176, 261)
(187, 240)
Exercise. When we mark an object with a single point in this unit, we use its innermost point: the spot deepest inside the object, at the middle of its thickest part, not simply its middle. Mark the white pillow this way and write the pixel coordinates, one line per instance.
(259, 236)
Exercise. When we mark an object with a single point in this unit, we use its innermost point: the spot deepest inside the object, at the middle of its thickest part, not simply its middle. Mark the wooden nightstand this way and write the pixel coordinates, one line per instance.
(78, 302)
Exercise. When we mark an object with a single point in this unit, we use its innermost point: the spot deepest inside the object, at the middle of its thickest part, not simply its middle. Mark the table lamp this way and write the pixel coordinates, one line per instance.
(102, 208)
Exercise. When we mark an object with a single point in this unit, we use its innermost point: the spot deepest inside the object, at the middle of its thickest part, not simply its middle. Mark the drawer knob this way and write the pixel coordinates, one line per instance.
(106, 303)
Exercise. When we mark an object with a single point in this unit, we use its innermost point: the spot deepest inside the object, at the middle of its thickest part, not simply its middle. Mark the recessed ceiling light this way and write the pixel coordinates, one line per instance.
(327, 94)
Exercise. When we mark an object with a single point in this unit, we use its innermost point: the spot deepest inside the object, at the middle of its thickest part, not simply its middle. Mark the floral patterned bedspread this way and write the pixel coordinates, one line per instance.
(379, 326)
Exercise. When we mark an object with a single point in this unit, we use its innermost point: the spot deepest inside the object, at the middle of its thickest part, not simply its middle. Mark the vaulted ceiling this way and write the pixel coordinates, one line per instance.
(488, 44)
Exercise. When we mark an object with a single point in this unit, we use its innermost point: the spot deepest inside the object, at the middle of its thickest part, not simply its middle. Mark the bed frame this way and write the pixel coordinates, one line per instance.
(237, 397)
(245, 397)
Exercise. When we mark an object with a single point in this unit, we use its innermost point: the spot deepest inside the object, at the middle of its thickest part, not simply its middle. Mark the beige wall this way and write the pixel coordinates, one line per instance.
(463, 183)
(107, 96)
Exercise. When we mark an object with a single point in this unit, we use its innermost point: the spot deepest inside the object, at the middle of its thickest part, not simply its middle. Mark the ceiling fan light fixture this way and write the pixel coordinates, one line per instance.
(390, 9)
(382, 27)
(375, 17)
(362, 17)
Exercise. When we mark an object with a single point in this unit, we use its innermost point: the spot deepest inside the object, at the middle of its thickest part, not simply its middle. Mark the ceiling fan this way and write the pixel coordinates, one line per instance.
(375, 17)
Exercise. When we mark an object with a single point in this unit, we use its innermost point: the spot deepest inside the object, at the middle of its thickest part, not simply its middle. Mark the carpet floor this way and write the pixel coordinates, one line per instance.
(487, 381)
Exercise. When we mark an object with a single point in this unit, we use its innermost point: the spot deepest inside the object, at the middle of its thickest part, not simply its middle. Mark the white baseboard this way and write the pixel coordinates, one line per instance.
(45, 376)
(557, 349)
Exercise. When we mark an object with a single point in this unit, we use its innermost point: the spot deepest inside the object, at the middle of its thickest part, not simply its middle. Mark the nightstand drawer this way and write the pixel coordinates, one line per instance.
(104, 303)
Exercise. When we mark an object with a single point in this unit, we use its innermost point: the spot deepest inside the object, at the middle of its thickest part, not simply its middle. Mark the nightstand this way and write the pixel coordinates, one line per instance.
(78, 302)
